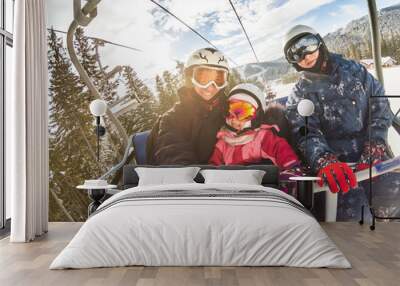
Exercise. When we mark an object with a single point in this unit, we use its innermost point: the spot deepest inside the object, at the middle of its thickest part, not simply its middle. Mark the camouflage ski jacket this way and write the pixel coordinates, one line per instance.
(340, 123)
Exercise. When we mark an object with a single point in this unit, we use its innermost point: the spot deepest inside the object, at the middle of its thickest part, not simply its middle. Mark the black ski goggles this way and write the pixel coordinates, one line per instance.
(306, 45)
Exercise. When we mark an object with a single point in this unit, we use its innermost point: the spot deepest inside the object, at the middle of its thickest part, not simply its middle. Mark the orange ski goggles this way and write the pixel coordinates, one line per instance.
(204, 76)
(241, 110)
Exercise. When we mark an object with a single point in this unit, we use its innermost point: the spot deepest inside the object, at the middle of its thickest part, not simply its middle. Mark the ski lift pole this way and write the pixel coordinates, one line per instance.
(82, 17)
(376, 39)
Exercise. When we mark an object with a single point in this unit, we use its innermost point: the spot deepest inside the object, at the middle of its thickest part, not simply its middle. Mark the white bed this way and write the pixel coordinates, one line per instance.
(223, 225)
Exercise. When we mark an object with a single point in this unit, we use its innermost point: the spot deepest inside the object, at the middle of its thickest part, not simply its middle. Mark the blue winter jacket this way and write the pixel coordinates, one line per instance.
(339, 124)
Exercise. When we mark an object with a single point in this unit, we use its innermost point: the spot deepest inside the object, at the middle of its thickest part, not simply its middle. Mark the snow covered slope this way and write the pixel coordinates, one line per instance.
(392, 86)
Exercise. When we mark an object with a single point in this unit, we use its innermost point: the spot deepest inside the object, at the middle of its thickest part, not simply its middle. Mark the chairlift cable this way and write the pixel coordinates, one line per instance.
(99, 39)
(190, 28)
(266, 86)
(244, 31)
(111, 43)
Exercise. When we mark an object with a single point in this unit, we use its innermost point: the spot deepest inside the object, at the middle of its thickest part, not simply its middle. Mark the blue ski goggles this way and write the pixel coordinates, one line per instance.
(303, 46)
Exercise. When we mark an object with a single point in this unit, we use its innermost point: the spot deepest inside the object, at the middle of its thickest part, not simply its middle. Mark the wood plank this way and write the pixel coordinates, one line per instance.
(374, 255)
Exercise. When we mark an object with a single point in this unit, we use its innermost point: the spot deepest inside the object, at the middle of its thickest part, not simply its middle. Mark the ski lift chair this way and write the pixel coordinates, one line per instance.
(137, 147)
(139, 141)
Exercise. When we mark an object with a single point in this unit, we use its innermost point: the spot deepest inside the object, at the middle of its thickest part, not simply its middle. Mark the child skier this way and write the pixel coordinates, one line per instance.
(342, 91)
(246, 140)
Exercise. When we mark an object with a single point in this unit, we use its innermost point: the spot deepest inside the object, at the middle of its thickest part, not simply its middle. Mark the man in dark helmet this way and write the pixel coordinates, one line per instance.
(338, 129)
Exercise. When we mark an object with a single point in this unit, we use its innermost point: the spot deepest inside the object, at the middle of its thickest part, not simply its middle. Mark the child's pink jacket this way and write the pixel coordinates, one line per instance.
(263, 144)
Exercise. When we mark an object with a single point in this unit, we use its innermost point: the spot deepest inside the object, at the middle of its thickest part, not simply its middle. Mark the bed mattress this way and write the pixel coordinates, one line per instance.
(201, 225)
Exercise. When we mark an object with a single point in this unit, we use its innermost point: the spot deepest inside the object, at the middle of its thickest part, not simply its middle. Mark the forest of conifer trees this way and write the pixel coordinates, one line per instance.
(72, 146)
(390, 47)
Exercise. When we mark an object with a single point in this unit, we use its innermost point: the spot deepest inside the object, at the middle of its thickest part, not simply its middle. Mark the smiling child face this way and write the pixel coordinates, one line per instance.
(236, 123)
(240, 113)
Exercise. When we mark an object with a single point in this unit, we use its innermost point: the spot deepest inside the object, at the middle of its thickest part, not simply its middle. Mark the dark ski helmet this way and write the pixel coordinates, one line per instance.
(297, 32)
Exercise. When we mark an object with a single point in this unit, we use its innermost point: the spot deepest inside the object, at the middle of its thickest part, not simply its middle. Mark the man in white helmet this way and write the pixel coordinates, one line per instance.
(338, 130)
(186, 134)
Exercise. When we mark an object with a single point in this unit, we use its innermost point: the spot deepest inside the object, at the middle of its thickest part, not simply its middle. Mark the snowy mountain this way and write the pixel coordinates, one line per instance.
(353, 41)
(265, 71)
(357, 33)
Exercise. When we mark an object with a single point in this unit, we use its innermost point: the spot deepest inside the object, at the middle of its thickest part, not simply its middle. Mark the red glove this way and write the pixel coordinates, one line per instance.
(338, 175)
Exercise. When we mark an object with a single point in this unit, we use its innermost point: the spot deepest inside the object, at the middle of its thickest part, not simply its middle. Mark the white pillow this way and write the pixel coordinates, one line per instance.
(165, 176)
(248, 177)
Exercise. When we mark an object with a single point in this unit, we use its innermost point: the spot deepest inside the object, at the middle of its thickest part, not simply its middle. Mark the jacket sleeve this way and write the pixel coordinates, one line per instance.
(317, 145)
(173, 144)
(279, 151)
(381, 114)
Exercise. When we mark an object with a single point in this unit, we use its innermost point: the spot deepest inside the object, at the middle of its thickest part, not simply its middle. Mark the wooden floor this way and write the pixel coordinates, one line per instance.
(374, 255)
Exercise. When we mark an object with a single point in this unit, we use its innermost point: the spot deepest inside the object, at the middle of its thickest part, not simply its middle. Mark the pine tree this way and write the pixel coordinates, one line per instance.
(234, 79)
(143, 116)
(72, 136)
(159, 85)
(109, 81)
(136, 89)
(167, 90)
(88, 55)
(180, 68)
(353, 52)
(171, 84)
(385, 48)
(69, 147)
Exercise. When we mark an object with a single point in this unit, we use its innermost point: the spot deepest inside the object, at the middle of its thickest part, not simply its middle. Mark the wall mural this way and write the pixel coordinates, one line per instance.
(207, 109)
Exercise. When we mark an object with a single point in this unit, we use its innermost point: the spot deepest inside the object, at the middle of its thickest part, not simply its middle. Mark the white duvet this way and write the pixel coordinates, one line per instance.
(207, 230)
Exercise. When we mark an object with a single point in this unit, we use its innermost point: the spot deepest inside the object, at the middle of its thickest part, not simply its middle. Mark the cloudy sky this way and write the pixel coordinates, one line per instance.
(143, 25)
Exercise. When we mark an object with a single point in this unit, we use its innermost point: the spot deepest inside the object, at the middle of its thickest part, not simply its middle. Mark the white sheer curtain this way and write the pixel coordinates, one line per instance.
(26, 121)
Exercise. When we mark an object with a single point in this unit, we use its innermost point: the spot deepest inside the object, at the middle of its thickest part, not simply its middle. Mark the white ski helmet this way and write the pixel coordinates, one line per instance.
(296, 32)
(250, 93)
(207, 57)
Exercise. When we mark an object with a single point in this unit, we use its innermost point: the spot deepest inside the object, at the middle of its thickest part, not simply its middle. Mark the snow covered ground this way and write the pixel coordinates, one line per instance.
(392, 86)
(282, 90)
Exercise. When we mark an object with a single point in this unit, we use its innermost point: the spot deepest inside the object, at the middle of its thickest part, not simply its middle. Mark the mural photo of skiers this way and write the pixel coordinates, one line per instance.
(228, 94)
